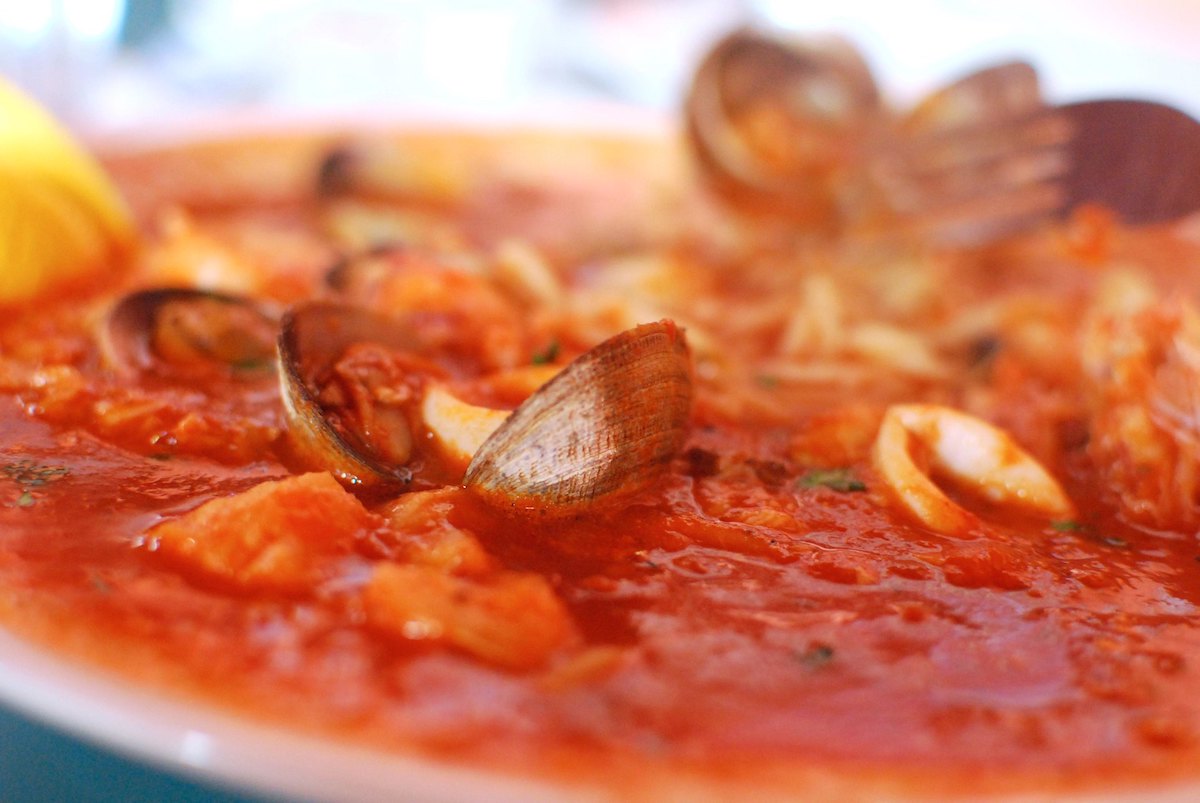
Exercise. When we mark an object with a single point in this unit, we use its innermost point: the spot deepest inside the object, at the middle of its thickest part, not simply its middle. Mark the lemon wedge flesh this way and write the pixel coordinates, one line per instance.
(60, 215)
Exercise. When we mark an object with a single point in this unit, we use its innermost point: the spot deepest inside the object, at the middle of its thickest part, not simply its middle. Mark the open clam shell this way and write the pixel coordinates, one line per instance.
(311, 339)
(172, 331)
(775, 123)
(603, 428)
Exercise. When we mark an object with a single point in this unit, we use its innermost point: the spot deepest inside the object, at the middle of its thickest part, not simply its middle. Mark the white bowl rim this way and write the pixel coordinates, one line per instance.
(203, 743)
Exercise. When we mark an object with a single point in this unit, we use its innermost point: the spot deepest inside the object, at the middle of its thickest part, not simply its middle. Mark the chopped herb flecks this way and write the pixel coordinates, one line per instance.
(835, 479)
(547, 355)
(29, 474)
(253, 365)
(1072, 526)
(767, 380)
(816, 656)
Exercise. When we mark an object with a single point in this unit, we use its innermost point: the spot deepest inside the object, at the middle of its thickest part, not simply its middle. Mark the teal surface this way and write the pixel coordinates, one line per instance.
(39, 764)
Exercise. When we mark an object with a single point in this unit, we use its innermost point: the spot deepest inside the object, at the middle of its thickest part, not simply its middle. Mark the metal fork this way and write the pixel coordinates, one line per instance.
(976, 160)
(796, 129)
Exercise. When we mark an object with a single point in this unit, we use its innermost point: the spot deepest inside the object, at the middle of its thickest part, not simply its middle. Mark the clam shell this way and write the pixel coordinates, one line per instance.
(603, 428)
(127, 332)
(820, 90)
(312, 337)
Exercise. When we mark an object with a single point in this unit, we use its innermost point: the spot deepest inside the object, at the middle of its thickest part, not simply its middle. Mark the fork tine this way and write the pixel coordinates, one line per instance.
(986, 217)
(981, 157)
(951, 148)
(914, 194)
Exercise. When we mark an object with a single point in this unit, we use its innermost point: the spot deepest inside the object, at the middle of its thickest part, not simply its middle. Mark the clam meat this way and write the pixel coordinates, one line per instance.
(344, 396)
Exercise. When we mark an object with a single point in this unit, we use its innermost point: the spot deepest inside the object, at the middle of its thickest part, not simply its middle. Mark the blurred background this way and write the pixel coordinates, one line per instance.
(114, 64)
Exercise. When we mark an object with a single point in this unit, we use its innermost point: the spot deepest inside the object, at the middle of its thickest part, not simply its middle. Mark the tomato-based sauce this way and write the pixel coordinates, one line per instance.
(785, 596)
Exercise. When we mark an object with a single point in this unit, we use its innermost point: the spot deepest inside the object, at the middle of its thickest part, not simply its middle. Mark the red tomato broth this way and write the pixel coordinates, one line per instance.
(734, 620)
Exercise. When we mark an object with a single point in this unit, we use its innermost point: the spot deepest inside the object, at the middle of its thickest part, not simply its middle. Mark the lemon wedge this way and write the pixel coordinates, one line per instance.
(60, 215)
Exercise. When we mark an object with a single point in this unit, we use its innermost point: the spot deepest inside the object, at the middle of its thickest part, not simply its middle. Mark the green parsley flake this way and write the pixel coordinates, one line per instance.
(1071, 526)
(841, 480)
(26, 500)
(816, 656)
(29, 474)
(253, 365)
(548, 354)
